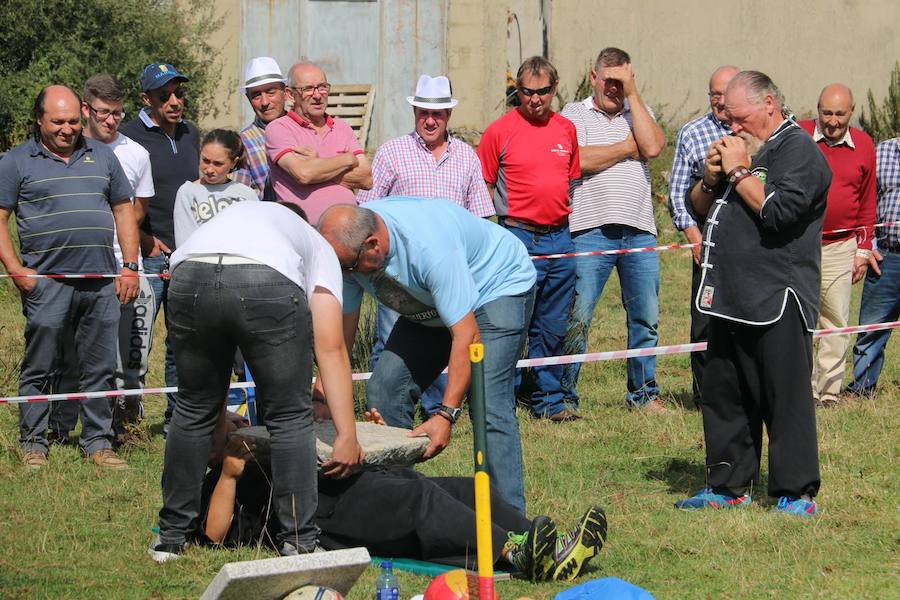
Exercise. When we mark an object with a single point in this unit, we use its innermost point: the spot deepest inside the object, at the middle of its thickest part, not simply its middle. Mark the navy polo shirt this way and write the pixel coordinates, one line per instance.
(62, 209)
(173, 161)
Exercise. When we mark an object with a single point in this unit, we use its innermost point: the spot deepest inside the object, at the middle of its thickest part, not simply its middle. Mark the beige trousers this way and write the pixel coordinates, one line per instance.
(834, 297)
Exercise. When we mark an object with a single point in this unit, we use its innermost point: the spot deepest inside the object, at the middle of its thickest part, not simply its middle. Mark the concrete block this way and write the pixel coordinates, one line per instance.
(274, 578)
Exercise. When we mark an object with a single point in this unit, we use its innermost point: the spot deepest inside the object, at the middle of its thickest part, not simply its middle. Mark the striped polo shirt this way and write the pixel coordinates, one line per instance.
(62, 209)
(617, 195)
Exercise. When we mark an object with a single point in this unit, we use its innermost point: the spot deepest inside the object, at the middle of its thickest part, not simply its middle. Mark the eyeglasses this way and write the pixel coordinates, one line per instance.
(307, 90)
(164, 96)
(528, 92)
(105, 113)
(355, 265)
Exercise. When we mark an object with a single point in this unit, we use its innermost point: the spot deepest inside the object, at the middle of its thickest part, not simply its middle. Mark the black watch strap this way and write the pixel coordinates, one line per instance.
(131, 266)
(450, 413)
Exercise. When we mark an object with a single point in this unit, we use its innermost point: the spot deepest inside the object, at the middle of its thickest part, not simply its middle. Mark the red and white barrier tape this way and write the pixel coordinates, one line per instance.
(538, 257)
(528, 362)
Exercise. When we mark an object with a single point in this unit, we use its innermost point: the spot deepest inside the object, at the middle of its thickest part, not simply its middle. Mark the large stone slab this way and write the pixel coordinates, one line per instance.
(385, 447)
(274, 578)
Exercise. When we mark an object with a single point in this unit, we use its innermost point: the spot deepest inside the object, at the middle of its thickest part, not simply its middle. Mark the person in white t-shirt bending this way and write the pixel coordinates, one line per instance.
(102, 108)
(256, 277)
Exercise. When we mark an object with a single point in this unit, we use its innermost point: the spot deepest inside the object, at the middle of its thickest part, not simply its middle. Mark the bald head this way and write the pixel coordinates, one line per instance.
(309, 91)
(835, 108)
(718, 83)
(352, 231)
(57, 119)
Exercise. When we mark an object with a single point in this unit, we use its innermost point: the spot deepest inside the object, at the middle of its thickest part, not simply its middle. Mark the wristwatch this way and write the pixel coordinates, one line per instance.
(450, 413)
(131, 266)
(737, 174)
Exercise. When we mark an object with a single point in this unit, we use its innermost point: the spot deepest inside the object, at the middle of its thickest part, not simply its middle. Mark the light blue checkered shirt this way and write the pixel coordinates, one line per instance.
(887, 175)
(691, 146)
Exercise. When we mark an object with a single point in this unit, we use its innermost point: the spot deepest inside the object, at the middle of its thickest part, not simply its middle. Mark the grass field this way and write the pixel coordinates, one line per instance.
(71, 531)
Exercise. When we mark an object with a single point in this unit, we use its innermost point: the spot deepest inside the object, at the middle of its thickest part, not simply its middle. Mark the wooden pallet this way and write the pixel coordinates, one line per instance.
(353, 103)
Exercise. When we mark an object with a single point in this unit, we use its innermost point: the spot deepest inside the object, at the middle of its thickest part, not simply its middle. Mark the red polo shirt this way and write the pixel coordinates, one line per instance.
(530, 164)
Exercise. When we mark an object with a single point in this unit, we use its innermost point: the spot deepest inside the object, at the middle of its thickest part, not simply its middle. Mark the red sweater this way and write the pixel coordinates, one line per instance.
(851, 197)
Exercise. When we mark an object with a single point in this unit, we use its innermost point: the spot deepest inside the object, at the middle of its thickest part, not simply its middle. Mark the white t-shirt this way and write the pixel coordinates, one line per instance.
(135, 161)
(197, 203)
(273, 235)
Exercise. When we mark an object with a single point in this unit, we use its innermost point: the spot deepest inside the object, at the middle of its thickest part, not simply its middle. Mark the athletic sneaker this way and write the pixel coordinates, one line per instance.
(289, 549)
(575, 548)
(161, 552)
(709, 498)
(799, 507)
(531, 552)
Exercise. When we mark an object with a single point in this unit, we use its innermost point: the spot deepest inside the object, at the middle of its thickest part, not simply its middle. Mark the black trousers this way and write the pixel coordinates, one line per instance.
(403, 513)
(699, 331)
(756, 375)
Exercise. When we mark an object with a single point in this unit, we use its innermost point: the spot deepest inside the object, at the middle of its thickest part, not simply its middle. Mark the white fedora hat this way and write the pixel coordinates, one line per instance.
(260, 71)
(433, 93)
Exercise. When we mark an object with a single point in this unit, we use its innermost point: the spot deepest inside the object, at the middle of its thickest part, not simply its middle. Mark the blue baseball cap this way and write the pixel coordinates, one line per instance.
(156, 75)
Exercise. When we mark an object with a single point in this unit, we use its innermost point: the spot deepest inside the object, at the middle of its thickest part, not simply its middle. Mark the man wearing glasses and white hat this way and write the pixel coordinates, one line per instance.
(264, 86)
(427, 163)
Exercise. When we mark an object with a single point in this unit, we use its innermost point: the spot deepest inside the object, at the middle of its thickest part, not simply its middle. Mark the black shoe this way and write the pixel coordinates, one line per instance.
(576, 547)
(161, 552)
(531, 553)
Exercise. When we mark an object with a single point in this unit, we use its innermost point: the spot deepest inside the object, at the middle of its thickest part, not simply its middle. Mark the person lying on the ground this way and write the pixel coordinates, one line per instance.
(393, 513)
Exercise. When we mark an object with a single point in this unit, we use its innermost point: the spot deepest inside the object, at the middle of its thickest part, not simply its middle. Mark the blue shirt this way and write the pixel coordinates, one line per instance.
(62, 209)
(691, 147)
(443, 262)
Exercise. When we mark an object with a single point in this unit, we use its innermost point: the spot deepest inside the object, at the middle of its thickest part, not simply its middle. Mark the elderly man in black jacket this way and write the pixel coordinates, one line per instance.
(760, 285)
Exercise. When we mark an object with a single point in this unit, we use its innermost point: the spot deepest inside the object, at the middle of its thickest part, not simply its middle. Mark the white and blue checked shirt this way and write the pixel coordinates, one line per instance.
(887, 175)
(404, 166)
(694, 139)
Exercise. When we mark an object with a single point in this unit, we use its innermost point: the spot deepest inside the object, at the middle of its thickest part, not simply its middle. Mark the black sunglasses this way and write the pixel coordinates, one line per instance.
(528, 92)
(164, 96)
(355, 264)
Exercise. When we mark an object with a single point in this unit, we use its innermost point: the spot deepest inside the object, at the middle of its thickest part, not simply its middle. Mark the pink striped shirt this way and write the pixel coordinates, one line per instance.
(404, 166)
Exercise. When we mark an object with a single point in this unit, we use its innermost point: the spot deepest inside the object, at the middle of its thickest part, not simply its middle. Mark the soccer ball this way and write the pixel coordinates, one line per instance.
(313, 592)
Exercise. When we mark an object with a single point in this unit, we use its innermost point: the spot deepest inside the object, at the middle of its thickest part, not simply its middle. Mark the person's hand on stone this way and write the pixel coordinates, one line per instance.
(373, 416)
(346, 455)
(438, 430)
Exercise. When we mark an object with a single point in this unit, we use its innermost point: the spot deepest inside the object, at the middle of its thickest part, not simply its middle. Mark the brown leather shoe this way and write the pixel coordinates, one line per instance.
(564, 416)
(34, 460)
(108, 459)
(654, 407)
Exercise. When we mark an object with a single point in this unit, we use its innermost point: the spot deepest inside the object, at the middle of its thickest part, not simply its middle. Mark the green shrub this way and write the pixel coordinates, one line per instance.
(884, 123)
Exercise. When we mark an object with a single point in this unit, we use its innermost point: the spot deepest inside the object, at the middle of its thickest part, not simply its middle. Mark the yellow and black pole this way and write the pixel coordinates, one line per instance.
(482, 481)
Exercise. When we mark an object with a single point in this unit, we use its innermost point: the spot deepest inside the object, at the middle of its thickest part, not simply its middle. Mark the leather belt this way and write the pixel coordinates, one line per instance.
(530, 226)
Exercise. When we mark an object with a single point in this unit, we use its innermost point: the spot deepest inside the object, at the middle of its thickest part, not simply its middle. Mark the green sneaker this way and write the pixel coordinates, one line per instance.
(531, 553)
(578, 546)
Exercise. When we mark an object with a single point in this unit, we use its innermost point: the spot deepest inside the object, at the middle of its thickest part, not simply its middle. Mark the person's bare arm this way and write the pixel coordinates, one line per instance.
(220, 513)
(712, 176)
(592, 159)
(127, 285)
(734, 154)
(459, 373)
(334, 373)
(140, 209)
(360, 177)
(648, 135)
(308, 168)
(10, 259)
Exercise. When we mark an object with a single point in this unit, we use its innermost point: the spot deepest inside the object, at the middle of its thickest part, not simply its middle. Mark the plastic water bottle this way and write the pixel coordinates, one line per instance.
(386, 587)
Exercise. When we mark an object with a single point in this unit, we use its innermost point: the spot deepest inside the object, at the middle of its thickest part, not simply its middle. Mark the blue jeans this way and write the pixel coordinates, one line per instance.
(214, 310)
(385, 319)
(547, 330)
(639, 279)
(90, 309)
(415, 354)
(156, 264)
(880, 303)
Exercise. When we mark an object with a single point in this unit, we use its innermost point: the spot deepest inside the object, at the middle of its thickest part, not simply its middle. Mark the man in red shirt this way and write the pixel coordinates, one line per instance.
(528, 157)
(847, 231)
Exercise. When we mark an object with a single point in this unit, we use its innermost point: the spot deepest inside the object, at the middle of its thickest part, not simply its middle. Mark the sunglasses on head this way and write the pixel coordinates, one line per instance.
(164, 96)
(528, 92)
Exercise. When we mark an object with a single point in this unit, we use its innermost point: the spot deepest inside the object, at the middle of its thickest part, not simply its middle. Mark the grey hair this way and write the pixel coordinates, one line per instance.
(358, 224)
(758, 86)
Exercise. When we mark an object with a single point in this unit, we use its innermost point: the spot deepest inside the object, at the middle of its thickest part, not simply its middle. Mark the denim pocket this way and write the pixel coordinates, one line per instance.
(273, 320)
(181, 311)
